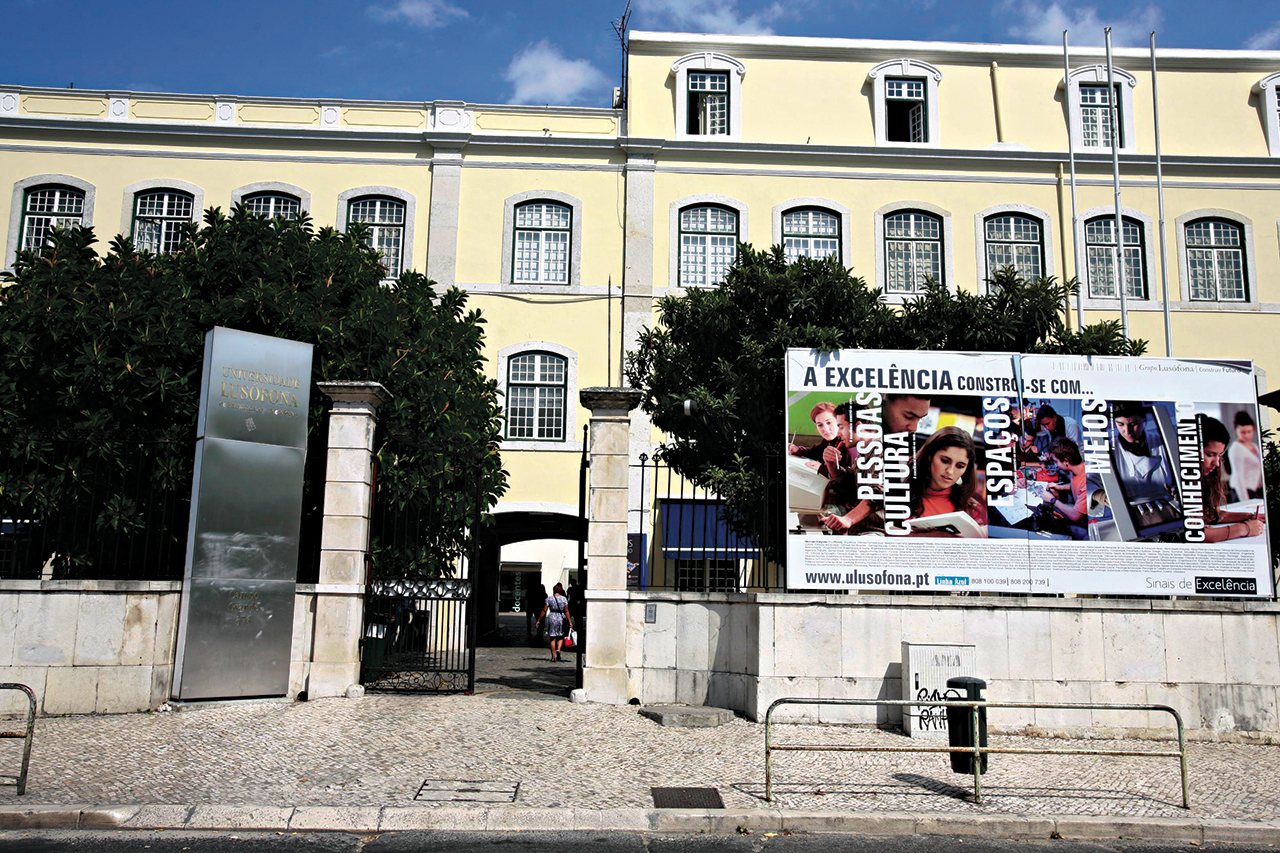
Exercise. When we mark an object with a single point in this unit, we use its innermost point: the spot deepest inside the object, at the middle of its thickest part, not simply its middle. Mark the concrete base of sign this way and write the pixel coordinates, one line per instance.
(686, 716)
(205, 705)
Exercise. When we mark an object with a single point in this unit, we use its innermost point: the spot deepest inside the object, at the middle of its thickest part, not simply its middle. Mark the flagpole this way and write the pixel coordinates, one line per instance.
(1164, 257)
(1071, 154)
(1114, 110)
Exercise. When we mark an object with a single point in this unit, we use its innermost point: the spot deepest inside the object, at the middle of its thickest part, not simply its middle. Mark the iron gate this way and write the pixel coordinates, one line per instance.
(418, 636)
(419, 617)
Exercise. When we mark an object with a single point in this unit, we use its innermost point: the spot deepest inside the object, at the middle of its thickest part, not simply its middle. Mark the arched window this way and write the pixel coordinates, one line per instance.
(271, 205)
(912, 250)
(708, 244)
(536, 394)
(811, 233)
(1216, 261)
(159, 217)
(543, 237)
(385, 218)
(1016, 241)
(1100, 247)
(48, 207)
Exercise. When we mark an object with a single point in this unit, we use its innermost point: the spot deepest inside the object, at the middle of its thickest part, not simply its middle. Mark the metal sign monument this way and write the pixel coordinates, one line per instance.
(235, 630)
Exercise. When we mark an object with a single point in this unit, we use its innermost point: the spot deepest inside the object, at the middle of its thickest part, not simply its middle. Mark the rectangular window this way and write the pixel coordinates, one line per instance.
(905, 110)
(1100, 247)
(536, 386)
(710, 575)
(1095, 116)
(708, 103)
(1215, 261)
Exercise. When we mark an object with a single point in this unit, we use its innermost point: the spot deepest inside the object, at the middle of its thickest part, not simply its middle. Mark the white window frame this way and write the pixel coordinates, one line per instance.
(1268, 91)
(1251, 301)
(509, 205)
(17, 205)
(132, 191)
(673, 239)
(906, 67)
(845, 214)
(708, 61)
(276, 187)
(573, 431)
(948, 247)
(346, 197)
(1097, 75)
(980, 236)
(1150, 238)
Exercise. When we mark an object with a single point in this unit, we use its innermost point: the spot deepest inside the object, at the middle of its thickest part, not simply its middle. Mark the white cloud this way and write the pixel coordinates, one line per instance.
(541, 74)
(709, 16)
(428, 14)
(1268, 39)
(1041, 23)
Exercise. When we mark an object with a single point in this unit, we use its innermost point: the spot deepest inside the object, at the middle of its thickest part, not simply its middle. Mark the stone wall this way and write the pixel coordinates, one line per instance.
(1216, 662)
(106, 647)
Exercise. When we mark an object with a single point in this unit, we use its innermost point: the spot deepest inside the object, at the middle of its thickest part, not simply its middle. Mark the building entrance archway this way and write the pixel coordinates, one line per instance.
(521, 549)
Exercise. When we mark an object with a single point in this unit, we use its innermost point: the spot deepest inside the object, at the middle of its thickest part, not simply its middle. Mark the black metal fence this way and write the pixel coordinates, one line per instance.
(95, 509)
(313, 480)
(118, 509)
(688, 541)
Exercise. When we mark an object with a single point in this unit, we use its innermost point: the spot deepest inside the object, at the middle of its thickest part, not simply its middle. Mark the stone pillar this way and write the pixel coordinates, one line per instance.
(442, 226)
(637, 308)
(605, 671)
(344, 537)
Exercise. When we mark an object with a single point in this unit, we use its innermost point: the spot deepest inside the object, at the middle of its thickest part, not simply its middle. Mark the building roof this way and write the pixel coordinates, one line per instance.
(944, 51)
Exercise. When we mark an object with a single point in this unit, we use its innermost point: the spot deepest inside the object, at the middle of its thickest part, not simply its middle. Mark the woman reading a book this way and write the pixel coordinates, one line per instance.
(944, 481)
(1220, 524)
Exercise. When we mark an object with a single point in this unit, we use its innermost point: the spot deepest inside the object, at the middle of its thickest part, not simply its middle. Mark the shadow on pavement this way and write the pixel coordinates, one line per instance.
(508, 662)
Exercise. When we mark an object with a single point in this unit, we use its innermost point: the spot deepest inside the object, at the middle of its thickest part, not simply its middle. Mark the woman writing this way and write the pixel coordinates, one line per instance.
(556, 612)
(1220, 525)
(943, 479)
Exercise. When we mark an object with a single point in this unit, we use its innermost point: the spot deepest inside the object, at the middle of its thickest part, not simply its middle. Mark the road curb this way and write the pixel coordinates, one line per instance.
(708, 821)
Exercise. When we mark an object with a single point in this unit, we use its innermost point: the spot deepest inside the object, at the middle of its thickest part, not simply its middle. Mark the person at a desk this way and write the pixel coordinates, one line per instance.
(1054, 426)
(1220, 525)
(823, 416)
(902, 414)
(1070, 500)
(1143, 468)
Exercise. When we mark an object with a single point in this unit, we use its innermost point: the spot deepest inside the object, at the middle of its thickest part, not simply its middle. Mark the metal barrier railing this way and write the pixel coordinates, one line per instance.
(27, 735)
(977, 750)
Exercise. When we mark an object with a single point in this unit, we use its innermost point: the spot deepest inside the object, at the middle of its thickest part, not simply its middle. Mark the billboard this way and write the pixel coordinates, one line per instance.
(935, 471)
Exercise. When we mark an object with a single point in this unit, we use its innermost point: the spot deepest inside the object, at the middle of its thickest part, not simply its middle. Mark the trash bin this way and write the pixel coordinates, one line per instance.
(960, 723)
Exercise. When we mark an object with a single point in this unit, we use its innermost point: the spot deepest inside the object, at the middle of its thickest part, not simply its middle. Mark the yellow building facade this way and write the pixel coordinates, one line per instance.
(905, 159)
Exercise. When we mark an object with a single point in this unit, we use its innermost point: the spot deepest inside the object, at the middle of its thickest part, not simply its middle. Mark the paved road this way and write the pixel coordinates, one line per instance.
(430, 842)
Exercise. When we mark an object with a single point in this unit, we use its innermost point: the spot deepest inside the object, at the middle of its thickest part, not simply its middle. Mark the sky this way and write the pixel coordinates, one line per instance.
(518, 51)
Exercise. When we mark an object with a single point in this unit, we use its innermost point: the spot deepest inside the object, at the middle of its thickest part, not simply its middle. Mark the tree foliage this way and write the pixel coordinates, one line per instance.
(723, 347)
(97, 352)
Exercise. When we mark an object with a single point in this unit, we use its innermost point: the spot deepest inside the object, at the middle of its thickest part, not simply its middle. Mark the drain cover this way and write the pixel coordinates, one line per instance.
(467, 791)
(686, 798)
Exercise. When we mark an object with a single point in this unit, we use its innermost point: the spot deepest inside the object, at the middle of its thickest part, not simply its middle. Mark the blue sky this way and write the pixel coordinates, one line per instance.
(504, 51)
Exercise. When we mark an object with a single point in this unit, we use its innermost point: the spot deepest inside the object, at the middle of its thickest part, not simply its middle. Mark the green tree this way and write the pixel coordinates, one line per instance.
(723, 347)
(102, 355)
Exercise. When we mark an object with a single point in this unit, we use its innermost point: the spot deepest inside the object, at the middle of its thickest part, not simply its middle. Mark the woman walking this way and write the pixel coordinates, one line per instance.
(556, 612)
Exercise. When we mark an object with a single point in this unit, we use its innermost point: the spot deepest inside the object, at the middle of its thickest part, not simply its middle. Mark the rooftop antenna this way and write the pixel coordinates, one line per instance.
(620, 29)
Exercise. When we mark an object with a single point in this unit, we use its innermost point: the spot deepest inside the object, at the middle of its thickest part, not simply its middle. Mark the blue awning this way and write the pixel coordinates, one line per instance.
(697, 530)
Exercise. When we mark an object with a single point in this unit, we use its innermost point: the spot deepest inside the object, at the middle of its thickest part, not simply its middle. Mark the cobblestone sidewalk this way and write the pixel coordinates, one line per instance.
(552, 754)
